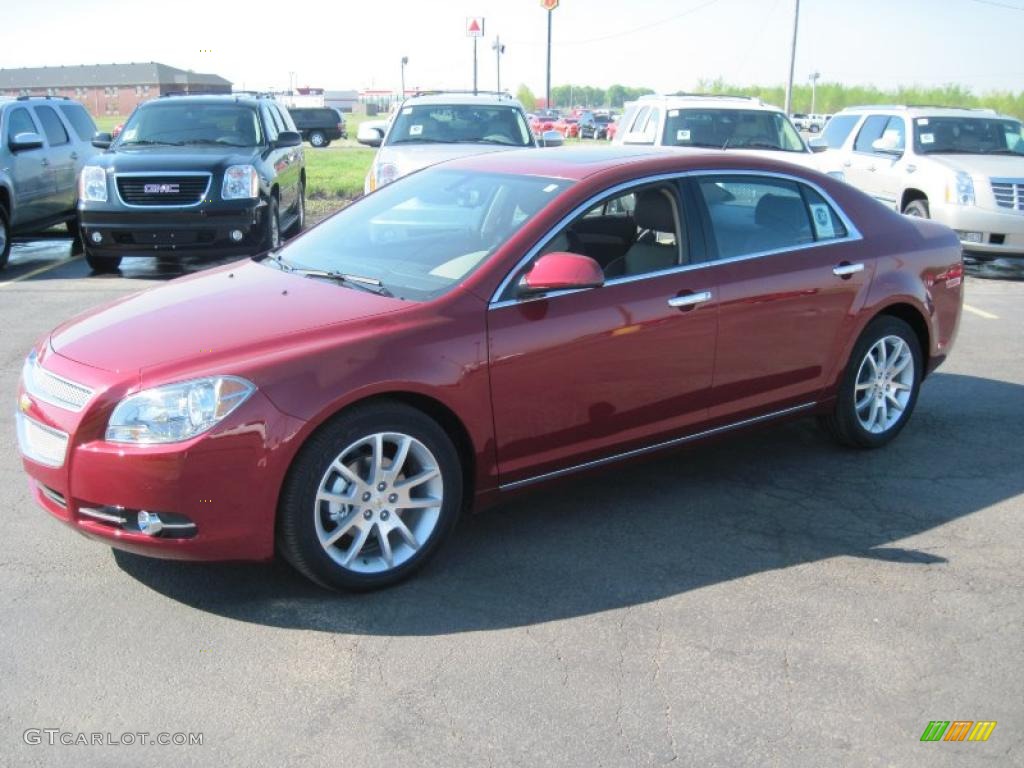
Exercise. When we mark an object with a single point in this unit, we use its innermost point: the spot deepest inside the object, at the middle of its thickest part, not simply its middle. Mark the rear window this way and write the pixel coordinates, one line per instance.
(80, 120)
(731, 129)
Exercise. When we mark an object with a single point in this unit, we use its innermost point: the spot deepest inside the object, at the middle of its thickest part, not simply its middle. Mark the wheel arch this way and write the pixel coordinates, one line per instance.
(913, 317)
(910, 194)
(5, 199)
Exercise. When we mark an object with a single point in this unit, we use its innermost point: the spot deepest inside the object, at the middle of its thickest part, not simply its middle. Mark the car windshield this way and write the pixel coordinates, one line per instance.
(731, 129)
(459, 124)
(967, 136)
(423, 234)
(182, 124)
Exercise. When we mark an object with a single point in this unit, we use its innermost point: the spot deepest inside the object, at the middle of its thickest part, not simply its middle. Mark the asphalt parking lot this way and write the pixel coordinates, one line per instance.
(769, 601)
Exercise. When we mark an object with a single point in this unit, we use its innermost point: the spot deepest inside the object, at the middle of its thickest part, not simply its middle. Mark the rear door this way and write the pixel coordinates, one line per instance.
(63, 157)
(792, 275)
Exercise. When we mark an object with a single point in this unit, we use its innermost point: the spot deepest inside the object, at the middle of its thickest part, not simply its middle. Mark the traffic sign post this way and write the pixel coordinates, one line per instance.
(475, 29)
(549, 6)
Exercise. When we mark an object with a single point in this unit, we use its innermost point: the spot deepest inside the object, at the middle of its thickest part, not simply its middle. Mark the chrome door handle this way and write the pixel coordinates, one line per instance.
(74, 155)
(847, 164)
(910, 168)
(690, 299)
(44, 162)
(871, 168)
(845, 269)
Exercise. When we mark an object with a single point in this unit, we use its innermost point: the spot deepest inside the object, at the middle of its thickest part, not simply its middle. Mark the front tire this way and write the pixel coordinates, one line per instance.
(318, 139)
(879, 388)
(272, 226)
(102, 264)
(5, 237)
(370, 498)
(918, 209)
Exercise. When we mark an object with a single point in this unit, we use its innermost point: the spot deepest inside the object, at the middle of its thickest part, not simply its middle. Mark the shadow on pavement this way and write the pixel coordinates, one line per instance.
(640, 532)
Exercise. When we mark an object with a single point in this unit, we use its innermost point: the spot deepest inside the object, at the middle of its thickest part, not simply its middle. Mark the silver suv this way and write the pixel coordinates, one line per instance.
(961, 167)
(45, 142)
(433, 127)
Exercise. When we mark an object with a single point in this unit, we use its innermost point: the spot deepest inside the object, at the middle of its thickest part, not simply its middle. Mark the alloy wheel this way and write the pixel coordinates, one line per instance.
(885, 381)
(379, 502)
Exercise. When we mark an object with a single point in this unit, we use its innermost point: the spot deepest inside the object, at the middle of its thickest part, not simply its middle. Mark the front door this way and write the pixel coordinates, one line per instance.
(34, 185)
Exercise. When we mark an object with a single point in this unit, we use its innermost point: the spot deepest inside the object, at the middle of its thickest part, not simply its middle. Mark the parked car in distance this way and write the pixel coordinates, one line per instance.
(612, 128)
(800, 121)
(319, 125)
(569, 127)
(193, 175)
(594, 126)
(433, 127)
(736, 123)
(45, 143)
(540, 124)
(961, 167)
(470, 331)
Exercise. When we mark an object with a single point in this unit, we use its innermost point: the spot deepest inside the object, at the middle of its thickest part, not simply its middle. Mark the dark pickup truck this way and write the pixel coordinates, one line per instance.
(188, 175)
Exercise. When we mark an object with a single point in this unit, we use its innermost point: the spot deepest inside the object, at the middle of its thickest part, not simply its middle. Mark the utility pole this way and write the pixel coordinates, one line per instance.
(792, 57)
(474, 66)
(547, 87)
(405, 60)
(498, 49)
(813, 77)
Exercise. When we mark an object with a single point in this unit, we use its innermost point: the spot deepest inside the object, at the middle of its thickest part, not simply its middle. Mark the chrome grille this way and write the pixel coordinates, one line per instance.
(179, 190)
(40, 443)
(1009, 193)
(53, 389)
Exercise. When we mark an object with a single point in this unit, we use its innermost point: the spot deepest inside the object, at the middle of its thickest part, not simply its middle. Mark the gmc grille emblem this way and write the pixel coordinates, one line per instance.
(160, 189)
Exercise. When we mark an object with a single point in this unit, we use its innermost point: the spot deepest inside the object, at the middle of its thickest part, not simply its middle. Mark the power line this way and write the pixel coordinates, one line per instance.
(997, 4)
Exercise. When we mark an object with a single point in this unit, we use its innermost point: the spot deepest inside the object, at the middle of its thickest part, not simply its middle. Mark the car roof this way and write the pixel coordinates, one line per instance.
(576, 163)
(716, 101)
(213, 98)
(923, 110)
(456, 98)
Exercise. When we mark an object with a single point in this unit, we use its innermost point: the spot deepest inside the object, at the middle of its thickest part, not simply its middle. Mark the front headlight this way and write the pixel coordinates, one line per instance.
(92, 184)
(176, 412)
(961, 191)
(241, 182)
(386, 173)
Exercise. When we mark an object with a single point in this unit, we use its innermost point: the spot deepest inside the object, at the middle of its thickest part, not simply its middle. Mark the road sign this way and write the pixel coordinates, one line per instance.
(475, 26)
(549, 5)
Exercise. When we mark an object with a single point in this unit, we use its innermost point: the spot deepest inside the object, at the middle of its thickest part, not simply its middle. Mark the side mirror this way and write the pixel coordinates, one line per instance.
(561, 271)
(102, 140)
(26, 140)
(886, 147)
(288, 139)
(817, 145)
(551, 139)
(371, 134)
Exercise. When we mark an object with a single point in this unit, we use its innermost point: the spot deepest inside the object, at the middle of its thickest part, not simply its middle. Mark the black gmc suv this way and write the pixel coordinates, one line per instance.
(218, 175)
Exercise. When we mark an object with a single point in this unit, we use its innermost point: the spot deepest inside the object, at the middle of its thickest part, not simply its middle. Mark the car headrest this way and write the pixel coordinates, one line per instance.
(781, 212)
(654, 211)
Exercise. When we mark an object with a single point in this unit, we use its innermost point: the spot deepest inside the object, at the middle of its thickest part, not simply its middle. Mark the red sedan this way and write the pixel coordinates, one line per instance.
(569, 127)
(475, 329)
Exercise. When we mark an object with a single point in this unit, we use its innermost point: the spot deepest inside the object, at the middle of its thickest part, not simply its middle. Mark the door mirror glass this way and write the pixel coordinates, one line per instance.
(102, 140)
(818, 144)
(23, 141)
(371, 134)
(288, 139)
(561, 271)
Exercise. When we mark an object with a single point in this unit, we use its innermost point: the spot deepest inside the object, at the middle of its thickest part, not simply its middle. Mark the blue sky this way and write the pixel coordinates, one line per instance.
(663, 44)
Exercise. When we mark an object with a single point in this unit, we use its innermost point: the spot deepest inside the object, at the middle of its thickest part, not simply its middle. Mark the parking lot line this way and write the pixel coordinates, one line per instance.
(980, 312)
(39, 271)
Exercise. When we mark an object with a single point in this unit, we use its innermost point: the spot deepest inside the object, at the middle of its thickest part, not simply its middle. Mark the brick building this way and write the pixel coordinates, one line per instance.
(108, 89)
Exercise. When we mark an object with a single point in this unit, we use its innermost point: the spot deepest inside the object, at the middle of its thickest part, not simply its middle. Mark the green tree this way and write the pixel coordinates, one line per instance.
(526, 97)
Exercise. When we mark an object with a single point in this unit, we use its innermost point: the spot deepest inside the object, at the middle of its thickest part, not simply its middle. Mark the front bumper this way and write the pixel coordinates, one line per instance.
(225, 482)
(1002, 233)
(202, 230)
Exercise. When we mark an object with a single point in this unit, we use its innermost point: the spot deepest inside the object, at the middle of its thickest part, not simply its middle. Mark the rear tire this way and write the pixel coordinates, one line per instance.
(349, 518)
(318, 139)
(300, 213)
(918, 209)
(102, 264)
(879, 387)
(5, 237)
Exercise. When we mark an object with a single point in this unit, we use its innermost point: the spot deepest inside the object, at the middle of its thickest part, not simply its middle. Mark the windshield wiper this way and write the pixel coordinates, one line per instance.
(147, 142)
(418, 140)
(1003, 151)
(216, 142)
(371, 284)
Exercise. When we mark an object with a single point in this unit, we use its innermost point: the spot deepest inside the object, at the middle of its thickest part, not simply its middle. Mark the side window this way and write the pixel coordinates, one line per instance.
(894, 137)
(838, 130)
(19, 121)
(870, 132)
(52, 126)
(284, 120)
(269, 126)
(645, 127)
(751, 215)
(80, 120)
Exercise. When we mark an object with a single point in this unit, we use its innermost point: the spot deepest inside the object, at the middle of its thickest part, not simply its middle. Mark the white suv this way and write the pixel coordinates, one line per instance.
(962, 167)
(712, 122)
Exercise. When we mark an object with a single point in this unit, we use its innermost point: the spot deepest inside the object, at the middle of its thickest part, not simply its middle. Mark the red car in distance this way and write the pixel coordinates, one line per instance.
(541, 122)
(472, 330)
(569, 127)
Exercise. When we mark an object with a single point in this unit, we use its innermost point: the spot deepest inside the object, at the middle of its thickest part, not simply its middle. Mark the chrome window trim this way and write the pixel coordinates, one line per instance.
(140, 174)
(853, 234)
(651, 448)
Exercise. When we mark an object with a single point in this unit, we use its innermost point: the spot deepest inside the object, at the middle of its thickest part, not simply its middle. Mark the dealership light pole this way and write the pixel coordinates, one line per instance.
(405, 60)
(792, 57)
(813, 77)
(549, 6)
(498, 49)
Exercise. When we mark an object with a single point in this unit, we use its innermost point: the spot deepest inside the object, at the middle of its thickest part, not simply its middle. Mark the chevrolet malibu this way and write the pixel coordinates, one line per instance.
(472, 330)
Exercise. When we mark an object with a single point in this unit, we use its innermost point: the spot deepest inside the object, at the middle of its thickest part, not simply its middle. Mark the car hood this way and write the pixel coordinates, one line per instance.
(413, 157)
(221, 311)
(983, 165)
(172, 159)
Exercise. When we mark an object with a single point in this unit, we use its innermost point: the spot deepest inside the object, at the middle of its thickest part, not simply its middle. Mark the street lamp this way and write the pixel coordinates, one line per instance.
(813, 77)
(405, 60)
(498, 49)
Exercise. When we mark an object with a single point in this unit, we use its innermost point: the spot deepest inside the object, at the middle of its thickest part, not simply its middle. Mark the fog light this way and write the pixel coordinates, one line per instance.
(96, 237)
(150, 523)
(236, 235)
(970, 237)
